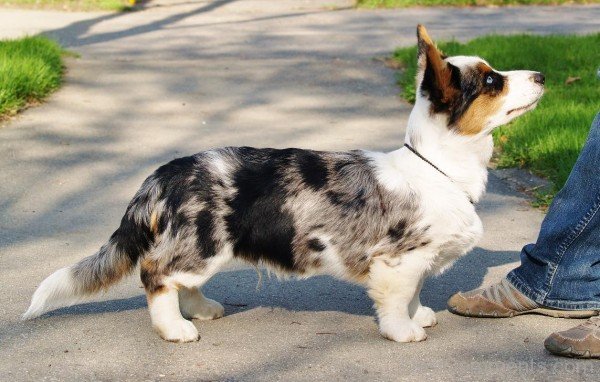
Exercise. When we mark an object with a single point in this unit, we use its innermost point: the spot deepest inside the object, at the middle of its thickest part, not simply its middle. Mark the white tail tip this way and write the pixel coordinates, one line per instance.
(56, 291)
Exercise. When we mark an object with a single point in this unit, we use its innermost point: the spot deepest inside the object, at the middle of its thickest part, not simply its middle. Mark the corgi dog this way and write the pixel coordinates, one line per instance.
(383, 220)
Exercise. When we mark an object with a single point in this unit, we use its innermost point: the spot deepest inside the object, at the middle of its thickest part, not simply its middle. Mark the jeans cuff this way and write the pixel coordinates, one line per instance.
(539, 298)
(524, 288)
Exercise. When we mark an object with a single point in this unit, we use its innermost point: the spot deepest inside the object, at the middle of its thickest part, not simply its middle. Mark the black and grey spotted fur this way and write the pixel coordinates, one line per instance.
(297, 211)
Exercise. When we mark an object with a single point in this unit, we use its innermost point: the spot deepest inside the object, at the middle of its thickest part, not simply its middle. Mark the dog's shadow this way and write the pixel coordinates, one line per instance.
(240, 290)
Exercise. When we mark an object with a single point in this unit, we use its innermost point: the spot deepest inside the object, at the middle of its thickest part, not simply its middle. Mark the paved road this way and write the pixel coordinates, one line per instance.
(180, 77)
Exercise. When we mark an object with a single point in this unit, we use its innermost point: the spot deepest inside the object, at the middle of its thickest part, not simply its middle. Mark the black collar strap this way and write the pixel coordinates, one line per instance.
(425, 160)
(434, 166)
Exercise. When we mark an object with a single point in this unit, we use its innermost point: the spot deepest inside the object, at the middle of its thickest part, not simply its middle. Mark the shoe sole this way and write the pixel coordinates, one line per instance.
(556, 349)
(540, 311)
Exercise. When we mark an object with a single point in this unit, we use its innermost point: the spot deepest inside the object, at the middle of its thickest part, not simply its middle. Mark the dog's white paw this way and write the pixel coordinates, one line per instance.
(204, 309)
(403, 330)
(179, 331)
(425, 317)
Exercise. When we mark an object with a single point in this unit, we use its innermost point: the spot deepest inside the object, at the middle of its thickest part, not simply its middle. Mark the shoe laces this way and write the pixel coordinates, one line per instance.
(503, 291)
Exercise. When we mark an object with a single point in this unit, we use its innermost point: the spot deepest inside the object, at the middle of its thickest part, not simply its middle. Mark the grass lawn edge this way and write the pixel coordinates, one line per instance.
(71, 5)
(31, 68)
(391, 4)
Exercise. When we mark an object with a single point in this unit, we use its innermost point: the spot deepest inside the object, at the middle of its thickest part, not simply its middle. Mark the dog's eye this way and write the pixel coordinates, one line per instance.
(489, 80)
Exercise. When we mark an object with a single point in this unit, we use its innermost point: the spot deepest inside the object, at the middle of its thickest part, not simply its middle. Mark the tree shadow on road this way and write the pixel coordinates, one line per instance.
(79, 34)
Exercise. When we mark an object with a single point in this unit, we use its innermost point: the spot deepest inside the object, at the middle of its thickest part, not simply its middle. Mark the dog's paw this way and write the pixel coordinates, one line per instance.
(404, 330)
(205, 309)
(179, 331)
(425, 317)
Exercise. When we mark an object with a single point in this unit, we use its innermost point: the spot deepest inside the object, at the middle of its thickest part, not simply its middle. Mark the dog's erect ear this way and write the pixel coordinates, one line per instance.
(436, 79)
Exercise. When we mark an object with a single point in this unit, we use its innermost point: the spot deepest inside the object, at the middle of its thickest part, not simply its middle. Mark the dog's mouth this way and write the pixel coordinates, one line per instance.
(525, 108)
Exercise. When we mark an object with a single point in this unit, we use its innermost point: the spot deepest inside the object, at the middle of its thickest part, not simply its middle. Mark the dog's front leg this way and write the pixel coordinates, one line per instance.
(393, 283)
(422, 315)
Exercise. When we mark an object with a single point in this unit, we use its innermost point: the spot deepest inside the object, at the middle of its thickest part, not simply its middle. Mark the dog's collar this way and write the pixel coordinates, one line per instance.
(435, 167)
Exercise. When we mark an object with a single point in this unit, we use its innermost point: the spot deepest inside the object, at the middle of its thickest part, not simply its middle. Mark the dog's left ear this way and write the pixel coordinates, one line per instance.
(437, 79)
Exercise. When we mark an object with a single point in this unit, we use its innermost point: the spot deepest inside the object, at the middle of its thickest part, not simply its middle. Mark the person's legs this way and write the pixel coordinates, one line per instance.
(562, 270)
(560, 274)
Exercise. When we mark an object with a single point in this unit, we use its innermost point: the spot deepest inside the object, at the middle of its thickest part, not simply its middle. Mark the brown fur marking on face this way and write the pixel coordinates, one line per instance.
(484, 68)
(472, 121)
(461, 93)
(487, 102)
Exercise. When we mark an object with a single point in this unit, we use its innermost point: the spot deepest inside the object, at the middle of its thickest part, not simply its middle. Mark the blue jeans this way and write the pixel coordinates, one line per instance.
(562, 270)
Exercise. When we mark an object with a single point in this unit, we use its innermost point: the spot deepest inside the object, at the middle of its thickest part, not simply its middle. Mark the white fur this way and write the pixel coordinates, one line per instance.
(195, 280)
(167, 319)
(183, 299)
(332, 261)
(393, 287)
(394, 284)
(193, 304)
(425, 317)
(219, 166)
(523, 92)
(57, 290)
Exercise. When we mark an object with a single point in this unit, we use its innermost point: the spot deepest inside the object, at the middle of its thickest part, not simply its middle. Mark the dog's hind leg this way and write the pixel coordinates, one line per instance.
(162, 294)
(173, 295)
(166, 317)
(193, 304)
(163, 304)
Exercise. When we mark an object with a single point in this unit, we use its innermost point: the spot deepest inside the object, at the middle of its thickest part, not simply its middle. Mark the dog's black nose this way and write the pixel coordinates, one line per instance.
(539, 78)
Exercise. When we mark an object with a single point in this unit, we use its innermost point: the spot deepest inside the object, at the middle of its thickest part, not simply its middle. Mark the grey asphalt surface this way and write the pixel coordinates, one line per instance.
(180, 77)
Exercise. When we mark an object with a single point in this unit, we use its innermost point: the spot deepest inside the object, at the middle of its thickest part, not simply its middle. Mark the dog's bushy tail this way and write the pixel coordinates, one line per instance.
(115, 259)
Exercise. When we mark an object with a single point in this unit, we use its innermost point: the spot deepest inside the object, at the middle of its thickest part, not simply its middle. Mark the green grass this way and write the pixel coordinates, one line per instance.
(30, 69)
(548, 139)
(462, 3)
(71, 5)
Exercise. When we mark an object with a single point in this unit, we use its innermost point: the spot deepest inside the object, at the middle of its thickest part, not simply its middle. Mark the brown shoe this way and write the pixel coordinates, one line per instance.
(582, 341)
(504, 300)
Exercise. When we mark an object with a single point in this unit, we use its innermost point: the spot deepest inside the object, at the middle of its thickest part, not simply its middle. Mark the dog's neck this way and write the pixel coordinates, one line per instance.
(463, 159)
